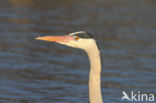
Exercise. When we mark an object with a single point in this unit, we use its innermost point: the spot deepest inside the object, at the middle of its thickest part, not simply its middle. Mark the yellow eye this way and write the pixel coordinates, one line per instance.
(76, 38)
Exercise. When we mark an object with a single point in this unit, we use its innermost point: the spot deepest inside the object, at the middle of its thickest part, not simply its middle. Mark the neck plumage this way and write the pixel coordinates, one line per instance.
(95, 95)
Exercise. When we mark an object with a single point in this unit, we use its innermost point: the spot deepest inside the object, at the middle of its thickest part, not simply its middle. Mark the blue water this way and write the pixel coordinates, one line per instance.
(34, 71)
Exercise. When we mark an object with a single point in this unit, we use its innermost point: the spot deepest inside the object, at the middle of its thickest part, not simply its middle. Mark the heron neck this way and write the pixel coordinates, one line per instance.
(95, 95)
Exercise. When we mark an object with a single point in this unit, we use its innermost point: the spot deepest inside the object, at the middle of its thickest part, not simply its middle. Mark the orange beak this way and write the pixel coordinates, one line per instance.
(65, 39)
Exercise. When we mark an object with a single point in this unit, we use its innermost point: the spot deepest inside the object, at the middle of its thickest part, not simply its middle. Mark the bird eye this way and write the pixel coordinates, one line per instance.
(76, 38)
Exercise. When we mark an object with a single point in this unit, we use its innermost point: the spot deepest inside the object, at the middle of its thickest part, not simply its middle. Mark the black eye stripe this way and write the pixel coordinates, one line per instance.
(83, 35)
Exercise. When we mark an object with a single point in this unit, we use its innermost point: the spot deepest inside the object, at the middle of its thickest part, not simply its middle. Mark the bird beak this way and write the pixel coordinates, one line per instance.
(63, 39)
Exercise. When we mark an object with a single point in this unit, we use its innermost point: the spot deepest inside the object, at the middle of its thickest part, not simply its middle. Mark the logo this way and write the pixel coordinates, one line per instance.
(137, 97)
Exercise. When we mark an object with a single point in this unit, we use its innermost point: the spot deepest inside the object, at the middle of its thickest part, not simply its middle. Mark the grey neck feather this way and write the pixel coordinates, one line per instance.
(95, 95)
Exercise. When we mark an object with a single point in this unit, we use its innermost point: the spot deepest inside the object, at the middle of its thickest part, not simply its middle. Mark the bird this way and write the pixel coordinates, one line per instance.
(85, 41)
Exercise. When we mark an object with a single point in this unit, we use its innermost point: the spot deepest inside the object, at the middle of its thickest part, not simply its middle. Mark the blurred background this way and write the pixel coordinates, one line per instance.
(34, 71)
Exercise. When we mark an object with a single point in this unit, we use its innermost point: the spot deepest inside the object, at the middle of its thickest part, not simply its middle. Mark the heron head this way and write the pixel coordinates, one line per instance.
(81, 39)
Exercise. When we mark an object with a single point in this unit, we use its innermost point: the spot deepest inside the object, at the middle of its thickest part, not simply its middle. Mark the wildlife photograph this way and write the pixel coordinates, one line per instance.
(77, 51)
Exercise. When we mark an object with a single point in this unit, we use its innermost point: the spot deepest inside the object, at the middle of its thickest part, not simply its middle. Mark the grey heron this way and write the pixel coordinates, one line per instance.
(85, 41)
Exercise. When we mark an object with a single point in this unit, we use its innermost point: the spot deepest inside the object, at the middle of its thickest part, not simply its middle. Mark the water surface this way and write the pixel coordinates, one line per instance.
(34, 71)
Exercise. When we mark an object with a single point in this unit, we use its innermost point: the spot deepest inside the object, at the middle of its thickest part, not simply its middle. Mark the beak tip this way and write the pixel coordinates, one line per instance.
(37, 38)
